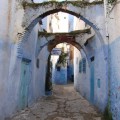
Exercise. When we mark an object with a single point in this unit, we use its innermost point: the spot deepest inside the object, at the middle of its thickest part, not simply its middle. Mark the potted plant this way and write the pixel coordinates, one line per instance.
(62, 60)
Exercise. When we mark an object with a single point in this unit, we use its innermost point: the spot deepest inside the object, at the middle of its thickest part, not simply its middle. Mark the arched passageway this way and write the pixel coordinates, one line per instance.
(24, 51)
(90, 42)
(60, 67)
(76, 39)
(50, 44)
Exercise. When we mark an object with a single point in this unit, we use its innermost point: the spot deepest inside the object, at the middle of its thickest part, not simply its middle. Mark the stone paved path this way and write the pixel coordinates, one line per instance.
(64, 104)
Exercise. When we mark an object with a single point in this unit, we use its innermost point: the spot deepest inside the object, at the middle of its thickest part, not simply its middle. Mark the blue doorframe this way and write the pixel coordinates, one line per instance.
(24, 83)
(92, 82)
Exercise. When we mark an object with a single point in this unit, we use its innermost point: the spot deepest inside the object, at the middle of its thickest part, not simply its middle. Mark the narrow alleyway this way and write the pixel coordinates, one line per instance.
(64, 104)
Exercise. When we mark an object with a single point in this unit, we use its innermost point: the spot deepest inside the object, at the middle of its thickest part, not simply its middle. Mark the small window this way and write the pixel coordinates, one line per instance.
(80, 66)
(58, 68)
(98, 83)
(37, 63)
(84, 65)
(92, 58)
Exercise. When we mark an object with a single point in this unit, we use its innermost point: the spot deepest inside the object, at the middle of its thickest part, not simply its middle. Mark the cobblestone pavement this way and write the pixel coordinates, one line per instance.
(64, 104)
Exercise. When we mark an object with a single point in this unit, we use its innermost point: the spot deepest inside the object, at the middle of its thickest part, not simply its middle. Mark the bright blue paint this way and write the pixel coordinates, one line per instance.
(92, 82)
(69, 72)
(23, 98)
(61, 76)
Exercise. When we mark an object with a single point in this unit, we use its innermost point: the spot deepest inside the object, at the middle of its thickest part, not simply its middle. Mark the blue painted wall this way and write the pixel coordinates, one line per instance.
(61, 76)
(115, 78)
(87, 83)
(70, 73)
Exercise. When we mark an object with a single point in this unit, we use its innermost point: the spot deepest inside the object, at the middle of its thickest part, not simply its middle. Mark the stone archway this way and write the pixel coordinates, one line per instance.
(77, 39)
(39, 11)
(81, 10)
(29, 24)
(76, 8)
(67, 39)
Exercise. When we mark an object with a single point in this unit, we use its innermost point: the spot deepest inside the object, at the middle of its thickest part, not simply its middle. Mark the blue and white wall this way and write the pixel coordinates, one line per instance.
(97, 48)
(7, 86)
(54, 59)
(81, 79)
(92, 84)
(59, 76)
(113, 36)
(10, 61)
(41, 67)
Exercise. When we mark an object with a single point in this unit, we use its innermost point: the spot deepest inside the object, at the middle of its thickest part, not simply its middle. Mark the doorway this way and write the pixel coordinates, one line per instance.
(24, 83)
(92, 82)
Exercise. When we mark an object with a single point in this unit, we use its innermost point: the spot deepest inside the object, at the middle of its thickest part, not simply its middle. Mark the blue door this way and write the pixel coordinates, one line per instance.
(25, 77)
(92, 82)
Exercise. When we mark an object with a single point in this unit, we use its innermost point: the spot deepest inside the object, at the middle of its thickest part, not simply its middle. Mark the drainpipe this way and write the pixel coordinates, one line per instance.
(108, 58)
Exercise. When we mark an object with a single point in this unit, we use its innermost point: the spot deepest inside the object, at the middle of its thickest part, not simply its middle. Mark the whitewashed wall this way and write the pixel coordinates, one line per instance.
(54, 59)
(40, 74)
(7, 13)
(81, 80)
(10, 67)
(113, 36)
(97, 47)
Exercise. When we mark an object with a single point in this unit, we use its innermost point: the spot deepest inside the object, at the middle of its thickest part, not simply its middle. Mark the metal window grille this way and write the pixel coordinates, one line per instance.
(80, 66)
(84, 65)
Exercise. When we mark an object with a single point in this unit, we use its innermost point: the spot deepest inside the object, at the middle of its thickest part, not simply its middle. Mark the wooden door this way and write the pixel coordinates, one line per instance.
(25, 78)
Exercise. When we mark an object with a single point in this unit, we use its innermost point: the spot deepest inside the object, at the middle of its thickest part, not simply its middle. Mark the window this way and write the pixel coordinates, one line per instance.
(58, 68)
(80, 66)
(84, 65)
(98, 83)
(37, 63)
(92, 58)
